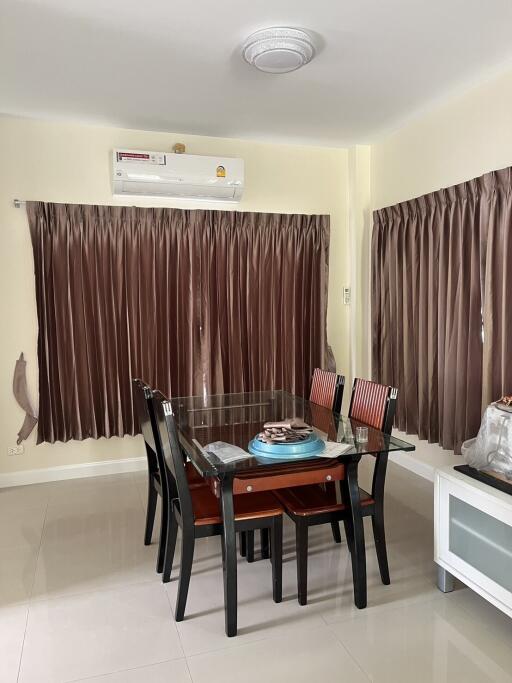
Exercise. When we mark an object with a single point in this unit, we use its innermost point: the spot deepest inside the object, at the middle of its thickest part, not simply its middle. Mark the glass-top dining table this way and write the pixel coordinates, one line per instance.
(236, 419)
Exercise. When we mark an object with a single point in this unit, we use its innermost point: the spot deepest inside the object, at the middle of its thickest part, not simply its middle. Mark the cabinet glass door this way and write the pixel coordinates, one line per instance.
(482, 541)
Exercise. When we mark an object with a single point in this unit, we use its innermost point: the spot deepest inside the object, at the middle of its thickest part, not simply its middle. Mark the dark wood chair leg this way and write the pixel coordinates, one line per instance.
(243, 544)
(379, 477)
(164, 521)
(250, 546)
(187, 557)
(229, 564)
(301, 549)
(330, 487)
(277, 558)
(265, 547)
(336, 533)
(170, 545)
(223, 552)
(150, 512)
(347, 523)
(349, 534)
(358, 555)
(380, 544)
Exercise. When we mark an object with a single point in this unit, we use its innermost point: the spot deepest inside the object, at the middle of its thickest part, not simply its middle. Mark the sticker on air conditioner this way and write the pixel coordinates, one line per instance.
(153, 158)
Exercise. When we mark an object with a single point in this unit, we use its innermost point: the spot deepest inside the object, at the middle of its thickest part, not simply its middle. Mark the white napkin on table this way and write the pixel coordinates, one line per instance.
(334, 449)
(226, 452)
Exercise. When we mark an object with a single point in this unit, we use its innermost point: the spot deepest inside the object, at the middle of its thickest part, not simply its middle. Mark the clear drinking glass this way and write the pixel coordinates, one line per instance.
(362, 434)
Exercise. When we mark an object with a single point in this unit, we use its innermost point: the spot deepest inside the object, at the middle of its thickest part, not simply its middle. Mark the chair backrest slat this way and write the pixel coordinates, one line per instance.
(141, 393)
(327, 389)
(373, 404)
(173, 462)
(325, 420)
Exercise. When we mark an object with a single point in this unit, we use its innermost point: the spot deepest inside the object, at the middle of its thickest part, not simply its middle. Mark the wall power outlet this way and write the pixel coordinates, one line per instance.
(15, 450)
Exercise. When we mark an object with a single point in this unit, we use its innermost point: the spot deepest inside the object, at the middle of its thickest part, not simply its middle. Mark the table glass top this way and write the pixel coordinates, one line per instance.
(237, 418)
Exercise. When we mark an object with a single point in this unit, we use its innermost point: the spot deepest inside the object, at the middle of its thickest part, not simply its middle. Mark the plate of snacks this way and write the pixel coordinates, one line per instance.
(290, 438)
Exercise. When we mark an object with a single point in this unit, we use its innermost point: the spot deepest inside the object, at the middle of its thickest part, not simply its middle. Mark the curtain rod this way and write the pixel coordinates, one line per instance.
(18, 203)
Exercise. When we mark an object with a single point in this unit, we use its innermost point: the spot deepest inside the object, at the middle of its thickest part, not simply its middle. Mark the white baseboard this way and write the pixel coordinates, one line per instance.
(86, 469)
(408, 462)
(426, 459)
(424, 462)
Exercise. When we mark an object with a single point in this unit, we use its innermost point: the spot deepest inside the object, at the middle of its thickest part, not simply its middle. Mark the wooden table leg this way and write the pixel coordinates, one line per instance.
(358, 554)
(229, 564)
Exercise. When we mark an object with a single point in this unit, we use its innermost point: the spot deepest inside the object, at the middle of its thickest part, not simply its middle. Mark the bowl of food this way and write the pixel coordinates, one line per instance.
(289, 439)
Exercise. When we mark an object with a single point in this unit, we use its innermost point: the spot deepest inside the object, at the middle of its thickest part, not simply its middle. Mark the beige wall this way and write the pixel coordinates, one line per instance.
(467, 136)
(359, 229)
(71, 163)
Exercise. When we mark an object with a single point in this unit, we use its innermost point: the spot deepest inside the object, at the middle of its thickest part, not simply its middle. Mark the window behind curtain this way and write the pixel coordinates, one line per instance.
(193, 302)
(442, 268)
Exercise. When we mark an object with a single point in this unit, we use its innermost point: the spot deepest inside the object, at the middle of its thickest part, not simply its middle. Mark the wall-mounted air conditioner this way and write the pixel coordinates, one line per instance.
(186, 176)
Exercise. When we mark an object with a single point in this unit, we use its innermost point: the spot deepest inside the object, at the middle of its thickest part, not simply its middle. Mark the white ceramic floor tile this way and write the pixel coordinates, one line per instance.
(299, 657)
(142, 488)
(93, 552)
(97, 633)
(330, 585)
(408, 585)
(95, 493)
(21, 498)
(432, 642)
(121, 479)
(69, 526)
(12, 632)
(86, 549)
(259, 616)
(17, 571)
(166, 672)
(489, 617)
(98, 611)
(21, 527)
(140, 475)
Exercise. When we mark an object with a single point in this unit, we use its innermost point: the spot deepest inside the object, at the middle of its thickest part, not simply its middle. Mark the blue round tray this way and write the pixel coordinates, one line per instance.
(311, 446)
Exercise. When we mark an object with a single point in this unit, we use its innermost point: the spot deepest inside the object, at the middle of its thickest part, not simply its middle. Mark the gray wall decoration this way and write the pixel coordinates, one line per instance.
(19, 387)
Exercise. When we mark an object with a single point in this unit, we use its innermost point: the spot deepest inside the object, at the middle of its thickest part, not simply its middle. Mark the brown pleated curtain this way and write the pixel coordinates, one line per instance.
(193, 302)
(441, 319)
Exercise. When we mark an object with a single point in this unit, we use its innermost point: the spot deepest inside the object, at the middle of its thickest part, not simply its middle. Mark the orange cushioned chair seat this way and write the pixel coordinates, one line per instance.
(314, 500)
(255, 506)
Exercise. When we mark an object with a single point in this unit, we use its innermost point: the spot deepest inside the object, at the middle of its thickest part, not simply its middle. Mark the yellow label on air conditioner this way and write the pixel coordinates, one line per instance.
(221, 172)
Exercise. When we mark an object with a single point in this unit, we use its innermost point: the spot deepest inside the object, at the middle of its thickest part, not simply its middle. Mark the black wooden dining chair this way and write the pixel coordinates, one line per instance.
(373, 405)
(197, 510)
(326, 391)
(142, 394)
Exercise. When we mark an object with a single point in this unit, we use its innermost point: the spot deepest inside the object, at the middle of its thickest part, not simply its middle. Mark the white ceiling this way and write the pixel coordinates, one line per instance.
(172, 65)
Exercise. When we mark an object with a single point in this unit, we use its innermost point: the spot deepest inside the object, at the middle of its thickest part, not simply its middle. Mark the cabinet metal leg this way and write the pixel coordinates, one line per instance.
(445, 581)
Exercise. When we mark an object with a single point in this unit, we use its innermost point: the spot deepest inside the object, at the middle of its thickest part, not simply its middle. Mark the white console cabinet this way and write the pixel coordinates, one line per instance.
(473, 537)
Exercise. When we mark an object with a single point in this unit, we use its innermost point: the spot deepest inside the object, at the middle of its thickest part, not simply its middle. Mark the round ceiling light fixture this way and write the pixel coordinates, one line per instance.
(278, 50)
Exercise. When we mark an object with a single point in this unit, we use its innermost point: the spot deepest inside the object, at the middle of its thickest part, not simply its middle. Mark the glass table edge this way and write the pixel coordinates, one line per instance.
(208, 469)
(212, 470)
